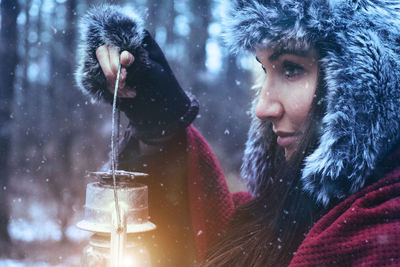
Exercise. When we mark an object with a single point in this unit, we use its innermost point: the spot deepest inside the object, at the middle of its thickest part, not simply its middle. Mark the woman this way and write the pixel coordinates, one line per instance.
(321, 160)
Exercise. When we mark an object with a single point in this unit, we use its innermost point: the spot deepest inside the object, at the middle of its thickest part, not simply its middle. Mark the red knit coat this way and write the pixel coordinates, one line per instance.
(362, 230)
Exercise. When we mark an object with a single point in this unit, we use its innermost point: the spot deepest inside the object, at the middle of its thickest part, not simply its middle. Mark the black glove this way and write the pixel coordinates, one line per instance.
(160, 106)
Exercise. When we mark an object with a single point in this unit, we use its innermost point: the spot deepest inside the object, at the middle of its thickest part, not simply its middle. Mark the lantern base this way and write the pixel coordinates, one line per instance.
(97, 253)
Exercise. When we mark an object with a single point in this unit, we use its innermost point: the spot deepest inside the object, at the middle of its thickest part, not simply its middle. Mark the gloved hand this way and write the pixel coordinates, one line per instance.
(149, 93)
(160, 105)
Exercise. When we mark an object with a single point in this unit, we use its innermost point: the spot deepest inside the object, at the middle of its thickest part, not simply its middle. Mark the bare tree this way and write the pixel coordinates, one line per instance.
(8, 54)
(63, 102)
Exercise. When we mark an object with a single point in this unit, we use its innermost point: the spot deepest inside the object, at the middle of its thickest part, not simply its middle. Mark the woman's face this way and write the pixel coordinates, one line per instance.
(287, 94)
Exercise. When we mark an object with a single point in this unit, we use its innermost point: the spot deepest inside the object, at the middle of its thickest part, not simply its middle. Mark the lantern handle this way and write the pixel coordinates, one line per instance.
(114, 157)
(118, 238)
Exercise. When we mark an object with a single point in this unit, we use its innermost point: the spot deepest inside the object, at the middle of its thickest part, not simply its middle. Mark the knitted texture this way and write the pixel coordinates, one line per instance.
(240, 198)
(211, 204)
(363, 230)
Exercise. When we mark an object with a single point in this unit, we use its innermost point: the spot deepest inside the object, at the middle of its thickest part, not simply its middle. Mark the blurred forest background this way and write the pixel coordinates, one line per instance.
(51, 134)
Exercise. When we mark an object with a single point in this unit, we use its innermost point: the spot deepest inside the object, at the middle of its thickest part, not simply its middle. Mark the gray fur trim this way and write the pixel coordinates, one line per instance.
(260, 157)
(258, 161)
(363, 116)
(104, 25)
(359, 41)
(249, 24)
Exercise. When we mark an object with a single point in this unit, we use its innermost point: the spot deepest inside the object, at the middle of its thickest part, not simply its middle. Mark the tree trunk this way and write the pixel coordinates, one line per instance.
(63, 103)
(8, 54)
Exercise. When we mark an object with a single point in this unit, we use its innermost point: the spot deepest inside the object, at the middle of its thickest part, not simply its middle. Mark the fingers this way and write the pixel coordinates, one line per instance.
(127, 92)
(114, 59)
(103, 56)
(126, 59)
(108, 57)
(123, 89)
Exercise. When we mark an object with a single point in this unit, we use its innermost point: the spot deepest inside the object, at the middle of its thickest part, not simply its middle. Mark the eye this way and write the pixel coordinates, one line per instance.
(292, 70)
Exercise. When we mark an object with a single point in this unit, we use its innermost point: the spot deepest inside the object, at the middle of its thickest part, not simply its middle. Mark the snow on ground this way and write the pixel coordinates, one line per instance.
(37, 237)
(17, 263)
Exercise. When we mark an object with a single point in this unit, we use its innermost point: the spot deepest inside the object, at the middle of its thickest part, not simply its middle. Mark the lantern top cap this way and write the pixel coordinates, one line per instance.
(122, 177)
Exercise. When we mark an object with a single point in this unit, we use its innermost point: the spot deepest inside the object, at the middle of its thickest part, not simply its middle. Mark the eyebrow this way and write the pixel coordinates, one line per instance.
(275, 56)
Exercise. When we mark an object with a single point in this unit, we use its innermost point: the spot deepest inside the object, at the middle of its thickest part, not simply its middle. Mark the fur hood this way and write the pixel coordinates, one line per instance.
(359, 43)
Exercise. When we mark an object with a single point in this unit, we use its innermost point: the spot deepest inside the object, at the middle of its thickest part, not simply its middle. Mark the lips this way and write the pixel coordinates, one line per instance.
(285, 139)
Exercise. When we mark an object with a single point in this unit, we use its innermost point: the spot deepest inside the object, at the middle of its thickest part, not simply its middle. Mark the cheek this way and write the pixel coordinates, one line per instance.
(300, 102)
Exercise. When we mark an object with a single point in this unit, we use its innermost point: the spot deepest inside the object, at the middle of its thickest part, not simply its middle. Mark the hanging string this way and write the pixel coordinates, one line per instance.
(114, 156)
(117, 139)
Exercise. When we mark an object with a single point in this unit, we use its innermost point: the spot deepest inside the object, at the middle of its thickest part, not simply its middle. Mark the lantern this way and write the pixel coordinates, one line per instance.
(113, 243)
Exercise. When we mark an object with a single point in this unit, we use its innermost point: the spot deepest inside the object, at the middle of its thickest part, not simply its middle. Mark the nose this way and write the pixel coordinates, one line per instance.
(269, 107)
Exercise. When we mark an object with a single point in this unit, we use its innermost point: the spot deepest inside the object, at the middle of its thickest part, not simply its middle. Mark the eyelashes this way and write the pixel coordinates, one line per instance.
(288, 69)
(292, 70)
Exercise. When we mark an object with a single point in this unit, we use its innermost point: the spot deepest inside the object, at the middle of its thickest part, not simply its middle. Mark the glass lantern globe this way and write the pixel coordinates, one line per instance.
(116, 244)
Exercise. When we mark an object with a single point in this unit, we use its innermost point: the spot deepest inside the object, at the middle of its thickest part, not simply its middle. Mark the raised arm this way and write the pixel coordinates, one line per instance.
(158, 110)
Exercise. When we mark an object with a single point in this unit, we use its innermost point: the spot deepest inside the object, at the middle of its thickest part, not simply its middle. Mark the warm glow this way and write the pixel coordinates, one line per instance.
(139, 258)
(131, 262)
